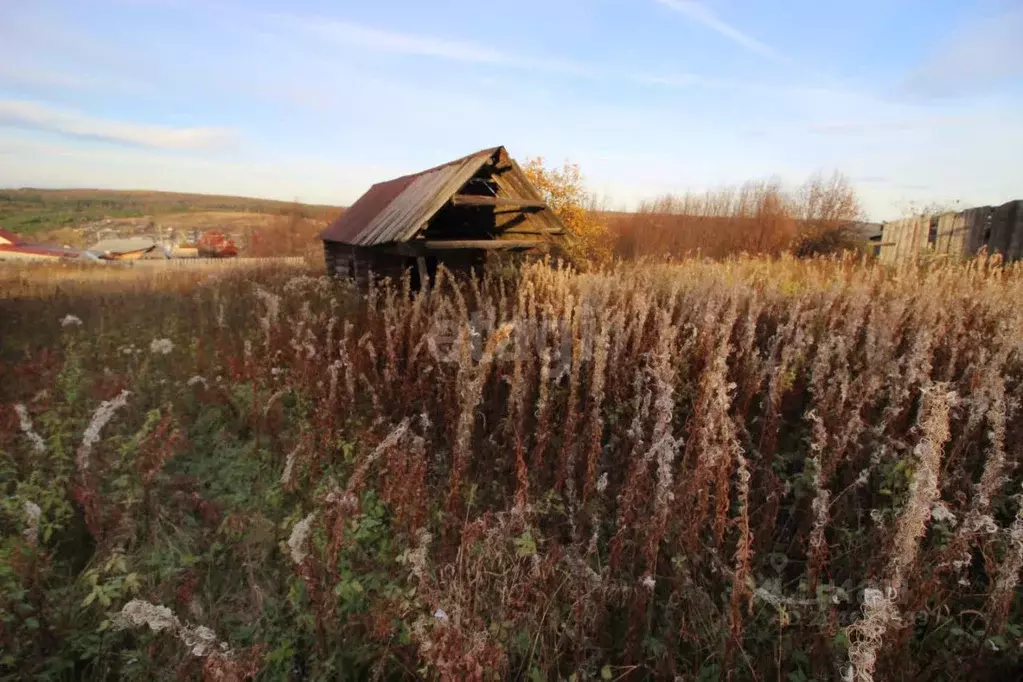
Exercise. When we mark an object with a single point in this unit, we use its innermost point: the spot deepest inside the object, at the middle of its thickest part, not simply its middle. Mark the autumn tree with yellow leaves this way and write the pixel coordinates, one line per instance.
(589, 241)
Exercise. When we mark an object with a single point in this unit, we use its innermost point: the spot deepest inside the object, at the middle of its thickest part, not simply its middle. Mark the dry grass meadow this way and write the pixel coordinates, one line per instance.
(37, 213)
(753, 468)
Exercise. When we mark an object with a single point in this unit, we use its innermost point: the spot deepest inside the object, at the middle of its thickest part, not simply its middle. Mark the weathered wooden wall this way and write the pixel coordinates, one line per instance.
(959, 235)
(361, 263)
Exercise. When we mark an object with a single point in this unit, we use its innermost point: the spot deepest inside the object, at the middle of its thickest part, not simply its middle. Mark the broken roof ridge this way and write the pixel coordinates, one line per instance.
(489, 150)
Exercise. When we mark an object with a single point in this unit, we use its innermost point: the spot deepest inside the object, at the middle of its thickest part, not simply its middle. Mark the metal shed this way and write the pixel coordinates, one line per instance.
(453, 214)
(128, 248)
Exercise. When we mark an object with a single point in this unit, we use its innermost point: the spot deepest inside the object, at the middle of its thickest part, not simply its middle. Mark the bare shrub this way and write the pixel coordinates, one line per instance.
(758, 217)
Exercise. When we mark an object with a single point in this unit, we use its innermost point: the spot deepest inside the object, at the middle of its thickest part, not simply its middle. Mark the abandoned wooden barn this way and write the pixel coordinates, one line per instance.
(454, 214)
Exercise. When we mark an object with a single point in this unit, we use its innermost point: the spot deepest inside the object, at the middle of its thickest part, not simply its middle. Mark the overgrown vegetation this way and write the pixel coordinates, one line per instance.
(290, 234)
(588, 240)
(759, 217)
(749, 469)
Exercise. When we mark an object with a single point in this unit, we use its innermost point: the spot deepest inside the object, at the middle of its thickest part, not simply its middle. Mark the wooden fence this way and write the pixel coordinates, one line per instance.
(959, 235)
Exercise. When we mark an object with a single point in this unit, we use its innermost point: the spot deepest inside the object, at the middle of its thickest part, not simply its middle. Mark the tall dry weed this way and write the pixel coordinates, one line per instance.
(749, 467)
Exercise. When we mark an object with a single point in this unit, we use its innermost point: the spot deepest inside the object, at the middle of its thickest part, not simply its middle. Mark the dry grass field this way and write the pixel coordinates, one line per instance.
(747, 469)
(79, 218)
(38, 211)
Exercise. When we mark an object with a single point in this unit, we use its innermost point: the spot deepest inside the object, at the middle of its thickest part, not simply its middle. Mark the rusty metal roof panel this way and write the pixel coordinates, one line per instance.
(354, 220)
(395, 210)
(22, 250)
(124, 245)
(7, 238)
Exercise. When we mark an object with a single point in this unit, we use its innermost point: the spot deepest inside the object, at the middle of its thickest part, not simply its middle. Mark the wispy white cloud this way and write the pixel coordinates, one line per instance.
(684, 80)
(16, 74)
(793, 91)
(369, 38)
(701, 14)
(976, 56)
(922, 121)
(282, 27)
(27, 114)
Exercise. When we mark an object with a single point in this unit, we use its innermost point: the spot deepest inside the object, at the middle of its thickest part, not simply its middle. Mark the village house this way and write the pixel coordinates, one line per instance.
(454, 214)
(14, 248)
(129, 248)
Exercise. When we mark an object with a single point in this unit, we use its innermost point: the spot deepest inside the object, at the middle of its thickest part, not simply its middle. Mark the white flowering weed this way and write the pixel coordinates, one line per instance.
(161, 346)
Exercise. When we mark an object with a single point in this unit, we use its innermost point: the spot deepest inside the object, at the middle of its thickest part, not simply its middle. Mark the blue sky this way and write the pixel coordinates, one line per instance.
(915, 100)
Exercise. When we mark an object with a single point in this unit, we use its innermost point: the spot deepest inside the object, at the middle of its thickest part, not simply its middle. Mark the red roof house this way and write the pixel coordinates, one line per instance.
(14, 248)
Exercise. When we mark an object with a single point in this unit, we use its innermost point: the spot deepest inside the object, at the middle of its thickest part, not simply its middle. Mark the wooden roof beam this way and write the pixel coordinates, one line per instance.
(488, 244)
(422, 247)
(473, 200)
(532, 230)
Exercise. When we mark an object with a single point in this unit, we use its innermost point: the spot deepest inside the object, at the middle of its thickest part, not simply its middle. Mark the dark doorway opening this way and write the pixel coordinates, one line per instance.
(420, 269)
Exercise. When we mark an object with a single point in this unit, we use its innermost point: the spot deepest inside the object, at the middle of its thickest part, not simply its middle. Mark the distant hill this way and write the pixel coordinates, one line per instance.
(39, 211)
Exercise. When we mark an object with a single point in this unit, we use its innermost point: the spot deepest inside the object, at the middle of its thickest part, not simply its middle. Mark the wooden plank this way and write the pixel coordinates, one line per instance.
(424, 275)
(1001, 229)
(899, 237)
(440, 245)
(533, 230)
(420, 247)
(891, 241)
(1016, 241)
(515, 183)
(473, 200)
(976, 221)
(519, 222)
(921, 228)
